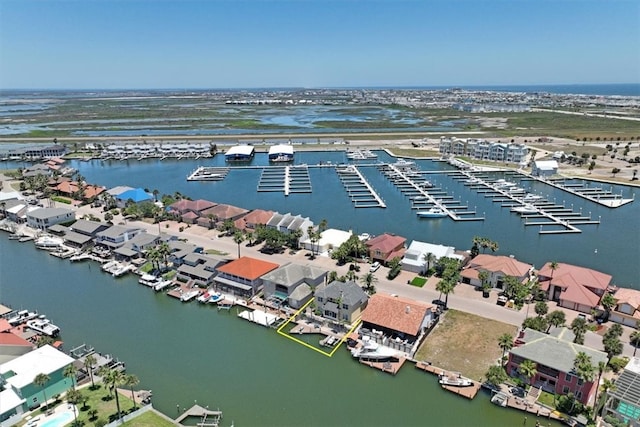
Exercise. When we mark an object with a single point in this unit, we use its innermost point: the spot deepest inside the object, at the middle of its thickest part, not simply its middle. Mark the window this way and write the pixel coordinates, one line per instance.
(345, 306)
(568, 377)
(565, 390)
(579, 381)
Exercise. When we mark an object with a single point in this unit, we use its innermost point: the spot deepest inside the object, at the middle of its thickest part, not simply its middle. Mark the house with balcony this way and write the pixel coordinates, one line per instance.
(340, 302)
(199, 268)
(385, 247)
(253, 219)
(218, 214)
(397, 322)
(116, 236)
(81, 233)
(293, 283)
(573, 287)
(44, 218)
(179, 250)
(497, 268)
(189, 210)
(136, 246)
(243, 276)
(554, 356)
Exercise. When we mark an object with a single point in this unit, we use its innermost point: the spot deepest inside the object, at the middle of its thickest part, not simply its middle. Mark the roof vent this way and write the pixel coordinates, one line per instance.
(407, 310)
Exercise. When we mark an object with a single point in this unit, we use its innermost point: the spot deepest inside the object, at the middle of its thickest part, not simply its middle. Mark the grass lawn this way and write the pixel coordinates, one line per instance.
(547, 399)
(149, 419)
(465, 343)
(215, 252)
(418, 281)
(100, 400)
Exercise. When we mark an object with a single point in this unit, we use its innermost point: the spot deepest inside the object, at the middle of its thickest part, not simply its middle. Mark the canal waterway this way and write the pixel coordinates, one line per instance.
(611, 247)
(189, 352)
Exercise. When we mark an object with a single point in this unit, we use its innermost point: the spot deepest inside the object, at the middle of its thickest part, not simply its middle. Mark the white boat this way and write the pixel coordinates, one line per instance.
(189, 295)
(434, 212)
(372, 350)
(48, 243)
(531, 197)
(109, 266)
(162, 284)
(43, 326)
(21, 317)
(501, 183)
(122, 269)
(525, 209)
(148, 280)
(281, 153)
(454, 379)
(204, 297)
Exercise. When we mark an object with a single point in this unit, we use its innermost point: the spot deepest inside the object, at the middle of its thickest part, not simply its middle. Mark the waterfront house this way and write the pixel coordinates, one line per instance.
(623, 400)
(218, 214)
(385, 247)
(16, 211)
(340, 301)
(35, 170)
(116, 191)
(19, 374)
(46, 152)
(243, 276)
(136, 246)
(288, 223)
(200, 268)
(135, 195)
(43, 218)
(81, 233)
(189, 210)
(254, 218)
(11, 344)
(573, 287)
(497, 268)
(554, 357)
(414, 257)
(395, 320)
(627, 309)
(116, 236)
(543, 168)
(72, 189)
(179, 250)
(282, 283)
(329, 239)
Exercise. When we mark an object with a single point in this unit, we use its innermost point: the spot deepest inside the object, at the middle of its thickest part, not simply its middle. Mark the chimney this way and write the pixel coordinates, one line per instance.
(407, 310)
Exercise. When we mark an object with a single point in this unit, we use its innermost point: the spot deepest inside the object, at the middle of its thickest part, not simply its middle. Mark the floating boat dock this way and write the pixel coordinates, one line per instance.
(286, 179)
(208, 418)
(594, 194)
(360, 192)
(208, 173)
(423, 193)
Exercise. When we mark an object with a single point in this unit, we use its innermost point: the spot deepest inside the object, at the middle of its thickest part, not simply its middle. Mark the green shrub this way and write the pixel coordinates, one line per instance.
(61, 200)
(418, 281)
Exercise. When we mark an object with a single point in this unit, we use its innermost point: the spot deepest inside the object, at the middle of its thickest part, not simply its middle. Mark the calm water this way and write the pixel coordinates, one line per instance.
(188, 352)
(611, 247)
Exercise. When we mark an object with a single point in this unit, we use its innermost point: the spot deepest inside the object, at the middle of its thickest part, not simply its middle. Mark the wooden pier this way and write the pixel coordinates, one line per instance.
(390, 366)
(207, 417)
(469, 392)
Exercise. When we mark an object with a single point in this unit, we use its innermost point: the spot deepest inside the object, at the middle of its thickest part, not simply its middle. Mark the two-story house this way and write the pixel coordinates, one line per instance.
(341, 302)
(497, 268)
(116, 236)
(200, 268)
(293, 283)
(43, 218)
(573, 287)
(627, 309)
(385, 247)
(243, 276)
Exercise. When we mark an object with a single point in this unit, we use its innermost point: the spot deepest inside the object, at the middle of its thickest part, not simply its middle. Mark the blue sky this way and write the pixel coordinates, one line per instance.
(314, 43)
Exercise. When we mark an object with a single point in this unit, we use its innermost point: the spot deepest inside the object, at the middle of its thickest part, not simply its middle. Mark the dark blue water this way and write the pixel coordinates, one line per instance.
(611, 247)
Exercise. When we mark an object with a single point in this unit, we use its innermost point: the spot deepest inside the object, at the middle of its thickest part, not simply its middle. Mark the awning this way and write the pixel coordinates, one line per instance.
(233, 284)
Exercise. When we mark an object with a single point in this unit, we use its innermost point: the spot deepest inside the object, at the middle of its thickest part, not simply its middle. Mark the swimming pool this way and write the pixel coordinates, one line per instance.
(58, 420)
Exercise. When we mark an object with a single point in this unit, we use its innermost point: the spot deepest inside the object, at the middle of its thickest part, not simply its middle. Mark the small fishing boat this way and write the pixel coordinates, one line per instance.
(434, 212)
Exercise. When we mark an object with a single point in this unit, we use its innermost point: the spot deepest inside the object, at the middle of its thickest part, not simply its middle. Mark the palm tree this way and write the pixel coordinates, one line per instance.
(238, 237)
(89, 363)
(74, 397)
(608, 302)
(369, 281)
(164, 250)
(505, 342)
(446, 287)
(528, 370)
(41, 380)
(131, 381)
(579, 328)
(602, 367)
(583, 368)
(113, 378)
(555, 318)
(541, 308)
(428, 258)
(553, 266)
(70, 371)
(634, 340)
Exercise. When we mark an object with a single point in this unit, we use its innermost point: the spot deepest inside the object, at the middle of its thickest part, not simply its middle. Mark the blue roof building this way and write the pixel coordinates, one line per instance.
(136, 194)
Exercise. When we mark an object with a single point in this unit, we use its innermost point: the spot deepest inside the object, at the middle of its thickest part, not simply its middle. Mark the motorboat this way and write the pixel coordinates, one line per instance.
(527, 208)
(434, 212)
(21, 317)
(122, 270)
(162, 284)
(109, 266)
(216, 298)
(189, 295)
(48, 243)
(454, 379)
(529, 197)
(372, 350)
(148, 280)
(43, 326)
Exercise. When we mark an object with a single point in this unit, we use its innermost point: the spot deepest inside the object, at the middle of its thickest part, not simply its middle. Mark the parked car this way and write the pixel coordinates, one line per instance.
(374, 267)
(502, 300)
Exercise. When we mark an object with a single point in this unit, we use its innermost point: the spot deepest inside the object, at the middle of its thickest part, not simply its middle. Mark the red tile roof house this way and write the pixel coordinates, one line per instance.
(243, 276)
(12, 345)
(554, 358)
(627, 309)
(498, 267)
(189, 210)
(218, 214)
(573, 287)
(397, 322)
(254, 218)
(385, 247)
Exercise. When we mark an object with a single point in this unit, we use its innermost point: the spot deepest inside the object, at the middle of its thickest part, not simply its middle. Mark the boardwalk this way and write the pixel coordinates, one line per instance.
(468, 392)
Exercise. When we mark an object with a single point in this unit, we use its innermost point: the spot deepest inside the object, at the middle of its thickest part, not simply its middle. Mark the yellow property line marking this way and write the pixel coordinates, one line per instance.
(284, 334)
